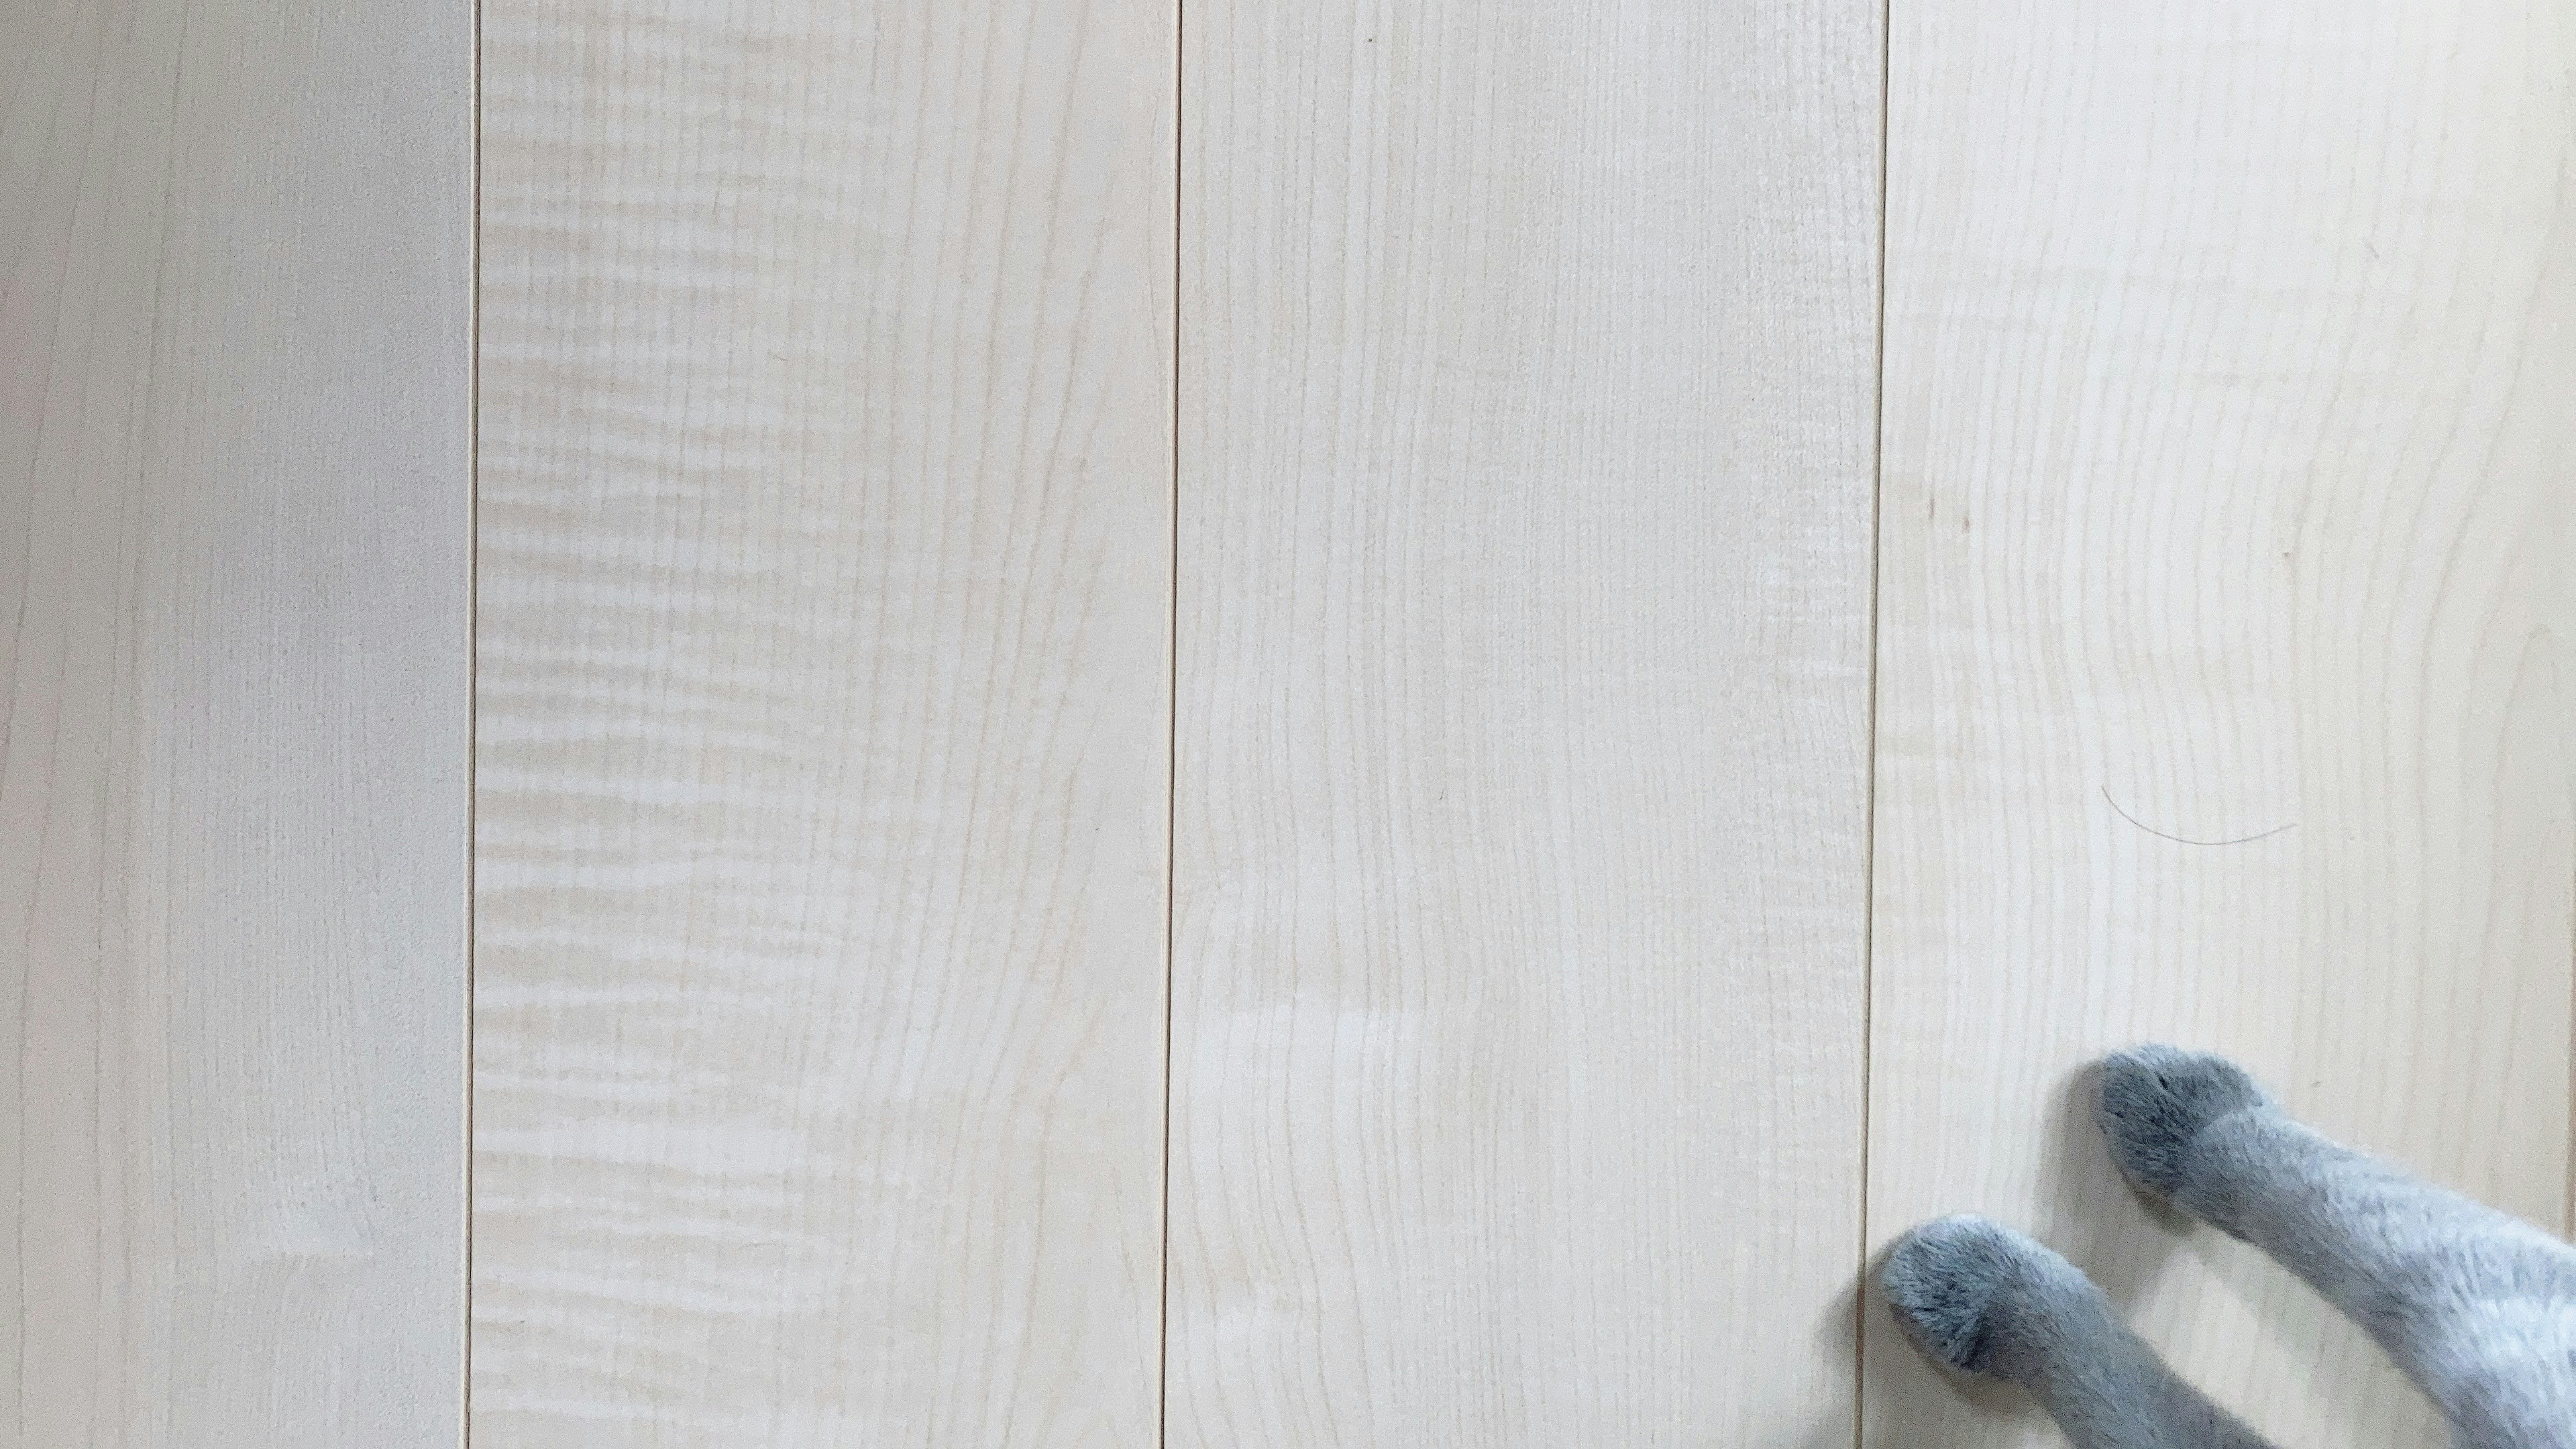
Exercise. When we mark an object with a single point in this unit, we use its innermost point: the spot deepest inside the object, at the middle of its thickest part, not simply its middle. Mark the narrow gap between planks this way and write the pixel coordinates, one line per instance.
(473, 680)
(1171, 763)
(1869, 765)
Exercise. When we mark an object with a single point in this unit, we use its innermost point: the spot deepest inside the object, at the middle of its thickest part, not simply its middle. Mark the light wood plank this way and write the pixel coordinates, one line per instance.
(823, 740)
(235, 294)
(1528, 364)
(2227, 492)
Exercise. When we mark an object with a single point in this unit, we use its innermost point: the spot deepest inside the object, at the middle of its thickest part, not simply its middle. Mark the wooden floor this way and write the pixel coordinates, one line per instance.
(1345, 724)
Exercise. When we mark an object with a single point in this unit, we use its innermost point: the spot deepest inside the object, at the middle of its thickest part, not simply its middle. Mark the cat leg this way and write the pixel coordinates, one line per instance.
(2479, 1309)
(1986, 1300)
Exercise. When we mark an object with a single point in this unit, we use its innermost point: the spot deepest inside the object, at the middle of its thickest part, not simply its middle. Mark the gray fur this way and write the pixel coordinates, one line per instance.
(2477, 1308)
(1986, 1300)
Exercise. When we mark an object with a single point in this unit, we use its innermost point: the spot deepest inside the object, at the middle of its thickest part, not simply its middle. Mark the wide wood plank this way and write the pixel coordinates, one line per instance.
(2229, 688)
(823, 734)
(235, 298)
(1527, 369)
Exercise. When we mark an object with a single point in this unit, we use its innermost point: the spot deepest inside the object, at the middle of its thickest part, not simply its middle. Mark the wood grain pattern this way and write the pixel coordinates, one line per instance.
(823, 736)
(2227, 676)
(235, 293)
(1527, 366)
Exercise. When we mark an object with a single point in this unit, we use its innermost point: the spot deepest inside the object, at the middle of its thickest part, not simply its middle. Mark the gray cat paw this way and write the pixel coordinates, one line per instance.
(2155, 1099)
(1952, 1283)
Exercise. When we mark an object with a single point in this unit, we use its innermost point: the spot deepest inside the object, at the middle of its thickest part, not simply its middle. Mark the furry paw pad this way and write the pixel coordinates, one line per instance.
(1952, 1283)
(2155, 1099)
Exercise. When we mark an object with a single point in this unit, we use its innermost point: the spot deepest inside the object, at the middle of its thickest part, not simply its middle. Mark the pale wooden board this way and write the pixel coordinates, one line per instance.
(235, 295)
(825, 547)
(2229, 352)
(1527, 369)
